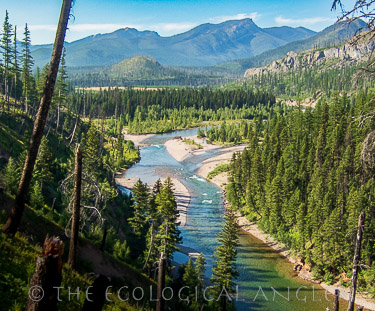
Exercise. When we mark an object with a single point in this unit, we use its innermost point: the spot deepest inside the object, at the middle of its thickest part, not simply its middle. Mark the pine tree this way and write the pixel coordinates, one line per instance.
(91, 151)
(10, 177)
(155, 221)
(190, 279)
(43, 163)
(7, 51)
(36, 197)
(61, 91)
(27, 65)
(121, 251)
(14, 220)
(224, 270)
(200, 269)
(15, 70)
(140, 204)
(168, 232)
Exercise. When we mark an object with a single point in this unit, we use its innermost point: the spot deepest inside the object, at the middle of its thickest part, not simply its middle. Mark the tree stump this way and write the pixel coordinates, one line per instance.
(47, 275)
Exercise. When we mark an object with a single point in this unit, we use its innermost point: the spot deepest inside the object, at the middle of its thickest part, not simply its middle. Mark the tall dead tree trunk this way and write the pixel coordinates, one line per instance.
(150, 247)
(77, 121)
(161, 283)
(72, 259)
(58, 119)
(14, 220)
(357, 256)
(47, 276)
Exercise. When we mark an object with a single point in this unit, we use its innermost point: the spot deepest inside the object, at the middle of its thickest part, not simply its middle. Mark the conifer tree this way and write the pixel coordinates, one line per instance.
(155, 220)
(61, 89)
(141, 204)
(10, 177)
(36, 197)
(15, 70)
(7, 52)
(190, 279)
(43, 163)
(14, 220)
(168, 232)
(27, 64)
(224, 270)
(200, 269)
(91, 152)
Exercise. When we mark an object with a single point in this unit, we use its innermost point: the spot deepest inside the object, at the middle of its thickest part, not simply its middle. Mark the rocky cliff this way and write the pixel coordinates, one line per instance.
(347, 54)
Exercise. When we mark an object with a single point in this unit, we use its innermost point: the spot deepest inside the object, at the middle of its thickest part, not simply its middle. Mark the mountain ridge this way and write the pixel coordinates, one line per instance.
(204, 45)
(335, 57)
(335, 34)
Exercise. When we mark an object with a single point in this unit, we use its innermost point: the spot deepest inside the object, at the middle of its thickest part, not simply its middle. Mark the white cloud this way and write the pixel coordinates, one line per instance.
(163, 28)
(219, 19)
(42, 27)
(303, 21)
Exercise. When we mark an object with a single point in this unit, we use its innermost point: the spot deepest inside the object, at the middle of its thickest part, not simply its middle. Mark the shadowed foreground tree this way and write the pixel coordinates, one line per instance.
(47, 277)
(14, 220)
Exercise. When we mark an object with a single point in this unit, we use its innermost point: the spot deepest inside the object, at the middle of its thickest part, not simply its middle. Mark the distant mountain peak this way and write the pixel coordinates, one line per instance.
(204, 45)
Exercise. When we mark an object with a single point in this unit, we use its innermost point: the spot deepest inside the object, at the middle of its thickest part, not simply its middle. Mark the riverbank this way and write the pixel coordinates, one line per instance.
(137, 139)
(221, 180)
(181, 194)
(179, 150)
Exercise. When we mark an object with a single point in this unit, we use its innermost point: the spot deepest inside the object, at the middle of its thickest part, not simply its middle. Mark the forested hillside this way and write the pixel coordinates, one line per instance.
(304, 177)
(81, 149)
(156, 111)
(303, 180)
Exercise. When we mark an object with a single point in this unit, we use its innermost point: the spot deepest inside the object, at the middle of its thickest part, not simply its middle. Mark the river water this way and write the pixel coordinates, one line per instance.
(266, 280)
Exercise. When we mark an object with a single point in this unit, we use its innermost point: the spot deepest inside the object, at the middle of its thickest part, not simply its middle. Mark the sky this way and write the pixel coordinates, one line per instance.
(167, 17)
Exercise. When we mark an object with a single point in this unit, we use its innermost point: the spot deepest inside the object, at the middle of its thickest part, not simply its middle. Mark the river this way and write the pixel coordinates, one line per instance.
(266, 280)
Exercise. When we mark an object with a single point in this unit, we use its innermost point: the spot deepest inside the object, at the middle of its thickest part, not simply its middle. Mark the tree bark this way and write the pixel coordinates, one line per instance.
(14, 220)
(357, 256)
(97, 294)
(47, 275)
(76, 123)
(150, 248)
(72, 259)
(102, 244)
(53, 204)
(336, 301)
(161, 283)
(58, 119)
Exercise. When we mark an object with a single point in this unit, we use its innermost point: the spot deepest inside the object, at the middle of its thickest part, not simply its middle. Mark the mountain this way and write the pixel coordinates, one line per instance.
(204, 45)
(141, 71)
(333, 35)
(322, 59)
(139, 67)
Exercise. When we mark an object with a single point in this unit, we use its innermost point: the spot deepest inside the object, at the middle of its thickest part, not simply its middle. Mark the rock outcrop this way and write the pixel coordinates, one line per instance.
(330, 58)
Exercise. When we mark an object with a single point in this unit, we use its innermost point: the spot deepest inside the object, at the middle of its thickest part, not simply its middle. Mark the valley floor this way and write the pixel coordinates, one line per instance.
(177, 148)
(180, 151)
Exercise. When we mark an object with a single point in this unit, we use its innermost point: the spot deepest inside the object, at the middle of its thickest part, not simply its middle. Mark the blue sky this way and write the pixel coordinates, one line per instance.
(167, 17)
